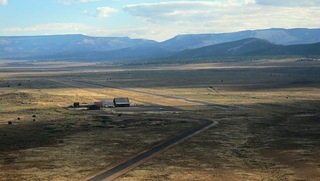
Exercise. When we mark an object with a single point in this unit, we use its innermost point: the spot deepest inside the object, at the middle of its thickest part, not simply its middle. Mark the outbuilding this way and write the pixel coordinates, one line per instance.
(121, 102)
(93, 107)
(76, 104)
(107, 103)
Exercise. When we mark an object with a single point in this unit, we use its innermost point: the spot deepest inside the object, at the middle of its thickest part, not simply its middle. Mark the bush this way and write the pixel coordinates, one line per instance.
(9, 122)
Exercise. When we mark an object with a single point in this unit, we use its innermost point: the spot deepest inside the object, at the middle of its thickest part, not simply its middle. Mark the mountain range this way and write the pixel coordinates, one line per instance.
(86, 48)
(250, 47)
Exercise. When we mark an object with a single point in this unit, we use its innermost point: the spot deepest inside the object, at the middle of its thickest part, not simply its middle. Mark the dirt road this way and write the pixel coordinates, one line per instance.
(219, 106)
(131, 163)
(122, 168)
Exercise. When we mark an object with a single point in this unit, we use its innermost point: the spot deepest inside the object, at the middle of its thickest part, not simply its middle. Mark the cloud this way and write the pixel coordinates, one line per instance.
(52, 28)
(105, 11)
(101, 12)
(291, 3)
(3, 2)
(168, 18)
(184, 10)
(76, 1)
(178, 17)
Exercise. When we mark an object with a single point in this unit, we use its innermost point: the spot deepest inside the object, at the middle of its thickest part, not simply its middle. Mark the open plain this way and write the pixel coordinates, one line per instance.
(268, 113)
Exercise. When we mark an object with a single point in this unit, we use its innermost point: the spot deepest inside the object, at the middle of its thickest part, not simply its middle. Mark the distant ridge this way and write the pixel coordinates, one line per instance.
(51, 45)
(278, 36)
(86, 48)
(249, 47)
(240, 47)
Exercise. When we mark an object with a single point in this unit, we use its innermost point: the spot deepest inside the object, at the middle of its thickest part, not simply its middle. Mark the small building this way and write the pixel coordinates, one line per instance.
(76, 104)
(93, 107)
(121, 102)
(107, 103)
(98, 104)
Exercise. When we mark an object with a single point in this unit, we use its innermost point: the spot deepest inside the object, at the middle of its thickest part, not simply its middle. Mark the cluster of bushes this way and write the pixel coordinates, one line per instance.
(33, 116)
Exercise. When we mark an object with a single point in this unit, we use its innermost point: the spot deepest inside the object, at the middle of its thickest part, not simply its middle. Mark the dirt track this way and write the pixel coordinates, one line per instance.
(122, 168)
(131, 163)
(219, 106)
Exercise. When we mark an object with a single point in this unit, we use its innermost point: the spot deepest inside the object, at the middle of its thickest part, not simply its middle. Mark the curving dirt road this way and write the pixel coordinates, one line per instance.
(131, 163)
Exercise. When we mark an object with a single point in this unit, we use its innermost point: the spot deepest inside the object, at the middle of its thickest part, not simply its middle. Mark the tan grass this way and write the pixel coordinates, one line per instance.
(269, 141)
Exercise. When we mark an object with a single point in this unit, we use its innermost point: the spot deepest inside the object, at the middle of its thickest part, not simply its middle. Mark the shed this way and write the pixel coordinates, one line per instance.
(121, 102)
(107, 103)
(98, 104)
(93, 107)
(76, 104)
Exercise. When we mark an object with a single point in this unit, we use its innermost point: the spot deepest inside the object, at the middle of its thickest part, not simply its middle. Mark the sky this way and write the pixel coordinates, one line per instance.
(152, 19)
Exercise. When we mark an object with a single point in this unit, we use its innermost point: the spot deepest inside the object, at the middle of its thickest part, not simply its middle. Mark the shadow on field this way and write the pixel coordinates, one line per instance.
(235, 78)
(293, 121)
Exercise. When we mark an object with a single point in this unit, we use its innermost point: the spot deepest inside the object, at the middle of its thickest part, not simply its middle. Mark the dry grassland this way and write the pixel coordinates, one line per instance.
(274, 135)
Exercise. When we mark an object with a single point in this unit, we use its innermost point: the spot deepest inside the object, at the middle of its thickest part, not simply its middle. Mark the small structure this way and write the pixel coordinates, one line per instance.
(104, 103)
(93, 107)
(107, 103)
(76, 104)
(121, 102)
(98, 104)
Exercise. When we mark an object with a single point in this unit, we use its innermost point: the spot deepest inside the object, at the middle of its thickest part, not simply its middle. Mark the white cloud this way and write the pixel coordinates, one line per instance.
(291, 3)
(249, 1)
(178, 17)
(184, 10)
(76, 1)
(52, 28)
(105, 11)
(3, 2)
(169, 18)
